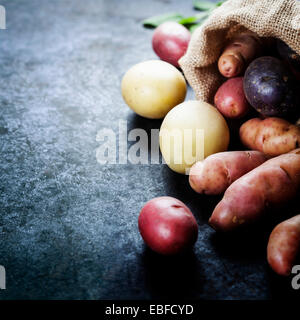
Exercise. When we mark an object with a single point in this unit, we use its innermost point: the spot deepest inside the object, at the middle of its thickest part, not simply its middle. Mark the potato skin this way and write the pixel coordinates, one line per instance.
(218, 171)
(152, 88)
(272, 136)
(170, 41)
(291, 57)
(238, 53)
(180, 152)
(167, 225)
(270, 87)
(230, 99)
(271, 184)
(284, 245)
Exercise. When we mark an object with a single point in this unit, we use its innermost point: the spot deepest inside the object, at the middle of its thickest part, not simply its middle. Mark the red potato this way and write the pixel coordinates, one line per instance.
(238, 53)
(216, 173)
(284, 245)
(167, 225)
(170, 41)
(272, 136)
(271, 184)
(231, 100)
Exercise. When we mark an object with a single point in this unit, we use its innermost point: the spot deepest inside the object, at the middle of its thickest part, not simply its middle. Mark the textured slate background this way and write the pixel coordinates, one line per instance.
(68, 225)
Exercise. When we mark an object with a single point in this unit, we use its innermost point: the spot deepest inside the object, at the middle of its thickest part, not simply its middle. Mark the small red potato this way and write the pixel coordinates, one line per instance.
(230, 99)
(272, 136)
(170, 41)
(284, 245)
(217, 172)
(238, 53)
(167, 225)
(271, 184)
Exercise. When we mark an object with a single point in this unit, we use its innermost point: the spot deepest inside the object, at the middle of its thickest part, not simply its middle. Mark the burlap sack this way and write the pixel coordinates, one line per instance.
(267, 18)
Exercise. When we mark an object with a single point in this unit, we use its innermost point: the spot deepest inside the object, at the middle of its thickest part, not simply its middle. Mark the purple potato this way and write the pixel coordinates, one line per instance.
(270, 87)
(291, 57)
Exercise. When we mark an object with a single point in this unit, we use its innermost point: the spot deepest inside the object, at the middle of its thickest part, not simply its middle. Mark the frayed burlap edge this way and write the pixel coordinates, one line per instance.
(267, 18)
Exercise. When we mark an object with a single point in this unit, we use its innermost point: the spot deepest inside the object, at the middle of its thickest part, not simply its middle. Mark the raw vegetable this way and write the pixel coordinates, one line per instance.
(270, 87)
(230, 99)
(291, 57)
(272, 136)
(191, 131)
(158, 20)
(190, 22)
(167, 225)
(271, 184)
(170, 41)
(152, 88)
(283, 246)
(218, 171)
(203, 5)
(238, 53)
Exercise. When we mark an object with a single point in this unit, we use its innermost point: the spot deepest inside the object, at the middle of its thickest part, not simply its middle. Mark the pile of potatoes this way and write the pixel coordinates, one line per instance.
(265, 175)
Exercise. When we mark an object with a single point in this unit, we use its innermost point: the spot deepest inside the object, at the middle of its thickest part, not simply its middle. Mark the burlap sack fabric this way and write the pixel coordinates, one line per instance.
(267, 18)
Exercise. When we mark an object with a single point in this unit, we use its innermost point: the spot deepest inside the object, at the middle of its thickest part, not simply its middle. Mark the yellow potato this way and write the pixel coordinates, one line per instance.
(181, 144)
(152, 88)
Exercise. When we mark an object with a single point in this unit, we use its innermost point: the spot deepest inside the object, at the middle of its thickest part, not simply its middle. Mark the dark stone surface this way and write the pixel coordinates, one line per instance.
(68, 225)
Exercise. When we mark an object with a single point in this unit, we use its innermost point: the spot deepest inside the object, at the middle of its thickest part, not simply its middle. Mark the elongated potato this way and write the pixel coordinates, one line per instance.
(238, 53)
(271, 184)
(218, 171)
(284, 245)
(272, 136)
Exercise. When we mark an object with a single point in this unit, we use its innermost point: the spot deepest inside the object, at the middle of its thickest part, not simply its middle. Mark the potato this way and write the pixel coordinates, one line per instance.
(284, 245)
(170, 41)
(218, 171)
(181, 144)
(230, 99)
(152, 88)
(291, 57)
(271, 184)
(238, 53)
(271, 88)
(167, 225)
(272, 136)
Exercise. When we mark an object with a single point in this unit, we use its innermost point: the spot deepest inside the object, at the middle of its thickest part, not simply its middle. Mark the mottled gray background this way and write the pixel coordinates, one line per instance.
(68, 226)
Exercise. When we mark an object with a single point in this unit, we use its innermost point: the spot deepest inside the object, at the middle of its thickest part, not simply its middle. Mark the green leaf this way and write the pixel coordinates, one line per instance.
(194, 26)
(194, 19)
(157, 20)
(202, 15)
(204, 5)
(220, 3)
(188, 20)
